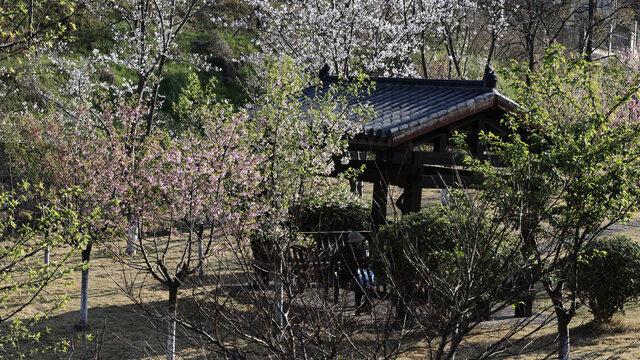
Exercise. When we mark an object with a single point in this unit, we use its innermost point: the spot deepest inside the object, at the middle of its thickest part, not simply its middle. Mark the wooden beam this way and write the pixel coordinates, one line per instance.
(440, 158)
(437, 170)
(397, 169)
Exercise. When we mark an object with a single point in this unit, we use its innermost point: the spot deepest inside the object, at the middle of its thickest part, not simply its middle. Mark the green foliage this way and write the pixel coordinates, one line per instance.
(608, 275)
(425, 237)
(197, 105)
(91, 34)
(571, 155)
(428, 232)
(300, 139)
(176, 78)
(442, 237)
(25, 232)
(330, 217)
(570, 167)
(26, 24)
(445, 260)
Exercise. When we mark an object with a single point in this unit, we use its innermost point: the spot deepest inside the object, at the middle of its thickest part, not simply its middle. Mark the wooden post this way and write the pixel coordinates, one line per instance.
(440, 143)
(380, 195)
(412, 198)
(611, 26)
(474, 138)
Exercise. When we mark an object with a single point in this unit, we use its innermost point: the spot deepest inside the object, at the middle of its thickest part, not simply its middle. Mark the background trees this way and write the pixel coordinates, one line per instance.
(145, 34)
(350, 36)
(377, 38)
(26, 27)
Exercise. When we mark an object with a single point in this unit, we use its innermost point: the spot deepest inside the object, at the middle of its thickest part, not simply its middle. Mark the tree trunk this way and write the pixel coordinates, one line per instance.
(563, 337)
(423, 59)
(30, 22)
(133, 239)
(529, 30)
(200, 251)
(444, 197)
(47, 251)
(84, 289)
(279, 303)
(441, 347)
(455, 342)
(173, 314)
(588, 51)
(531, 60)
(492, 47)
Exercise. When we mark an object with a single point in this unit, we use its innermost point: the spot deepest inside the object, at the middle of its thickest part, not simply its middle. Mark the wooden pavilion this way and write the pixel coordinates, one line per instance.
(407, 142)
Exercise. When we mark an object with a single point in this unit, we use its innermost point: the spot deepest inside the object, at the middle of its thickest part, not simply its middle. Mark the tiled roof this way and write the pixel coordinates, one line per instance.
(406, 108)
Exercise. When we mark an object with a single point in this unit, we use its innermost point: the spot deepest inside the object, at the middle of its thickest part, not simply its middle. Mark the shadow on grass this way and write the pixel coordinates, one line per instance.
(587, 341)
(127, 332)
(114, 332)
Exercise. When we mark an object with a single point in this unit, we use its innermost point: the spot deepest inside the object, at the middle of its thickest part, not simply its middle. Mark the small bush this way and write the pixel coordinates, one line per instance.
(443, 248)
(429, 232)
(330, 217)
(608, 275)
(424, 237)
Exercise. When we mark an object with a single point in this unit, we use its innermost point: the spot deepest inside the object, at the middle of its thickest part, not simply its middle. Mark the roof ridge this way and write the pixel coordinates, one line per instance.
(416, 81)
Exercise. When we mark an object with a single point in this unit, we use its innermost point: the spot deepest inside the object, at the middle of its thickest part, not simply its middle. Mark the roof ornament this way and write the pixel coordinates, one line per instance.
(324, 72)
(490, 79)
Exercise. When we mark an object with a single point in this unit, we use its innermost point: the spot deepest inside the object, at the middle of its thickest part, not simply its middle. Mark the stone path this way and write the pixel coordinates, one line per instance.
(622, 227)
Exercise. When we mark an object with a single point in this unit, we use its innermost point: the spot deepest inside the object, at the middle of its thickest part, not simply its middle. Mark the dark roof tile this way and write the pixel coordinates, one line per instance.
(407, 106)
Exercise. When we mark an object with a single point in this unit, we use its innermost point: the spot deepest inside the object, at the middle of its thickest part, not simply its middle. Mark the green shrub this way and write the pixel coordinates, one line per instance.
(425, 238)
(428, 232)
(427, 254)
(330, 217)
(608, 275)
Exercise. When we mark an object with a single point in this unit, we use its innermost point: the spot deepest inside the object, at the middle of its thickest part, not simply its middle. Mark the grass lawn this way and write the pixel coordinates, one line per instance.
(120, 331)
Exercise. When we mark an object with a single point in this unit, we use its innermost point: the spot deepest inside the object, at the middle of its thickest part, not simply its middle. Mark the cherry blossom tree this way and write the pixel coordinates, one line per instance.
(203, 180)
(226, 178)
(351, 36)
(64, 153)
(191, 192)
(145, 34)
(379, 37)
